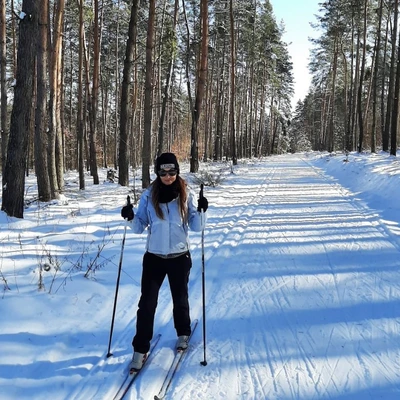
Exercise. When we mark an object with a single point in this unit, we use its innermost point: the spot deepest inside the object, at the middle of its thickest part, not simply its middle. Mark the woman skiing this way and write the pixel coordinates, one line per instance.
(167, 209)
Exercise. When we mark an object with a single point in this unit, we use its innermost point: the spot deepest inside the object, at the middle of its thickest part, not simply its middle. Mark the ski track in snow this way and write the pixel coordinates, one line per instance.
(295, 330)
(302, 298)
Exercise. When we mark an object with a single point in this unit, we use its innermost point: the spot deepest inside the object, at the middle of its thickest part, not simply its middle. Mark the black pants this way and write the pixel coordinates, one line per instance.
(154, 271)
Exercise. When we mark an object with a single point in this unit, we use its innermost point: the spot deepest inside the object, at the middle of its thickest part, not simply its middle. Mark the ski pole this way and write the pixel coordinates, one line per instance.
(204, 362)
(109, 354)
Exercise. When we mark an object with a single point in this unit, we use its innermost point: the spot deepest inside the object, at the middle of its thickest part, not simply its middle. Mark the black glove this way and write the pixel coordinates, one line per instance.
(127, 212)
(202, 204)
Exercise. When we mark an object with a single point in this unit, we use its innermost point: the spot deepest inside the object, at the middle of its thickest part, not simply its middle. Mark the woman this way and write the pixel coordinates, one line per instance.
(167, 209)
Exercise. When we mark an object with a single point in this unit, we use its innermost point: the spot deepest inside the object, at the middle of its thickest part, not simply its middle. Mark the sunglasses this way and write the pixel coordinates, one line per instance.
(171, 172)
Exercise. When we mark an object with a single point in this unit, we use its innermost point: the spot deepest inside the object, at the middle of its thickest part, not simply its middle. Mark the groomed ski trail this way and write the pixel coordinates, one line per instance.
(298, 304)
(312, 315)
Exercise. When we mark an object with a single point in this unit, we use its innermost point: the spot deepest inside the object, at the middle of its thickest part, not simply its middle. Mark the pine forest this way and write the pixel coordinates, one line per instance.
(89, 84)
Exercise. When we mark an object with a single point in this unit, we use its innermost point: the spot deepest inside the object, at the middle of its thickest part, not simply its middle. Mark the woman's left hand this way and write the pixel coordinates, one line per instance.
(202, 204)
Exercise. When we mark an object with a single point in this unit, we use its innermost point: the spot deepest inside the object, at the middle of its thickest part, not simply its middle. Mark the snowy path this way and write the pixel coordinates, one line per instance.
(303, 292)
(302, 289)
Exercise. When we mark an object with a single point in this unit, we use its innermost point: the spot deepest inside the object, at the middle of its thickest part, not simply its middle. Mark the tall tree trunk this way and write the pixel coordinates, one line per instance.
(349, 104)
(124, 137)
(148, 97)
(51, 133)
(117, 115)
(382, 97)
(219, 114)
(3, 99)
(14, 41)
(209, 115)
(165, 97)
(346, 95)
(41, 139)
(89, 149)
(355, 95)
(55, 74)
(187, 60)
(80, 117)
(201, 82)
(360, 86)
(14, 174)
(389, 104)
(250, 141)
(375, 78)
(233, 86)
(395, 112)
(95, 95)
(331, 111)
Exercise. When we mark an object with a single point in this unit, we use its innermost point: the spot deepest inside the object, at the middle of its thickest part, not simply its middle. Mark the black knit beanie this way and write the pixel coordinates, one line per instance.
(166, 161)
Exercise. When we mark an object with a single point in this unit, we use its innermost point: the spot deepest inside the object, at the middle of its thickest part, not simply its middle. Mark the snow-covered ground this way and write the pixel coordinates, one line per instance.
(302, 266)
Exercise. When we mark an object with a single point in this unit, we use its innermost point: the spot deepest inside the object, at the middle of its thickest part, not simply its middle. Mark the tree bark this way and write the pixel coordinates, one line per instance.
(124, 137)
(392, 77)
(95, 95)
(161, 138)
(14, 174)
(148, 97)
(14, 42)
(360, 86)
(375, 78)
(80, 116)
(331, 111)
(55, 74)
(41, 139)
(233, 86)
(395, 112)
(201, 83)
(3, 56)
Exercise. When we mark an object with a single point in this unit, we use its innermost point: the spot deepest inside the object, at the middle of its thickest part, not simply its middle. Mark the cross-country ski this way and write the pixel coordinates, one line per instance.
(131, 376)
(174, 367)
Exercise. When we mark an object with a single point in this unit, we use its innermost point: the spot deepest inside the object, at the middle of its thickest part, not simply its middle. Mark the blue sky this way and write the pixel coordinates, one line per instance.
(297, 16)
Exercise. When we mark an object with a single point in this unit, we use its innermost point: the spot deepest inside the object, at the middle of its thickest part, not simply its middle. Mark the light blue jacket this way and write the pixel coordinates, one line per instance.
(168, 235)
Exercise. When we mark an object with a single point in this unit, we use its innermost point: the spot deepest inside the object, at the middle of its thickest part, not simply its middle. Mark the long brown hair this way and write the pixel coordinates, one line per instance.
(182, 197)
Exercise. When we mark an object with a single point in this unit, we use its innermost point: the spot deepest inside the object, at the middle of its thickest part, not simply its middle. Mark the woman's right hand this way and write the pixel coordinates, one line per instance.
(127, 212)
